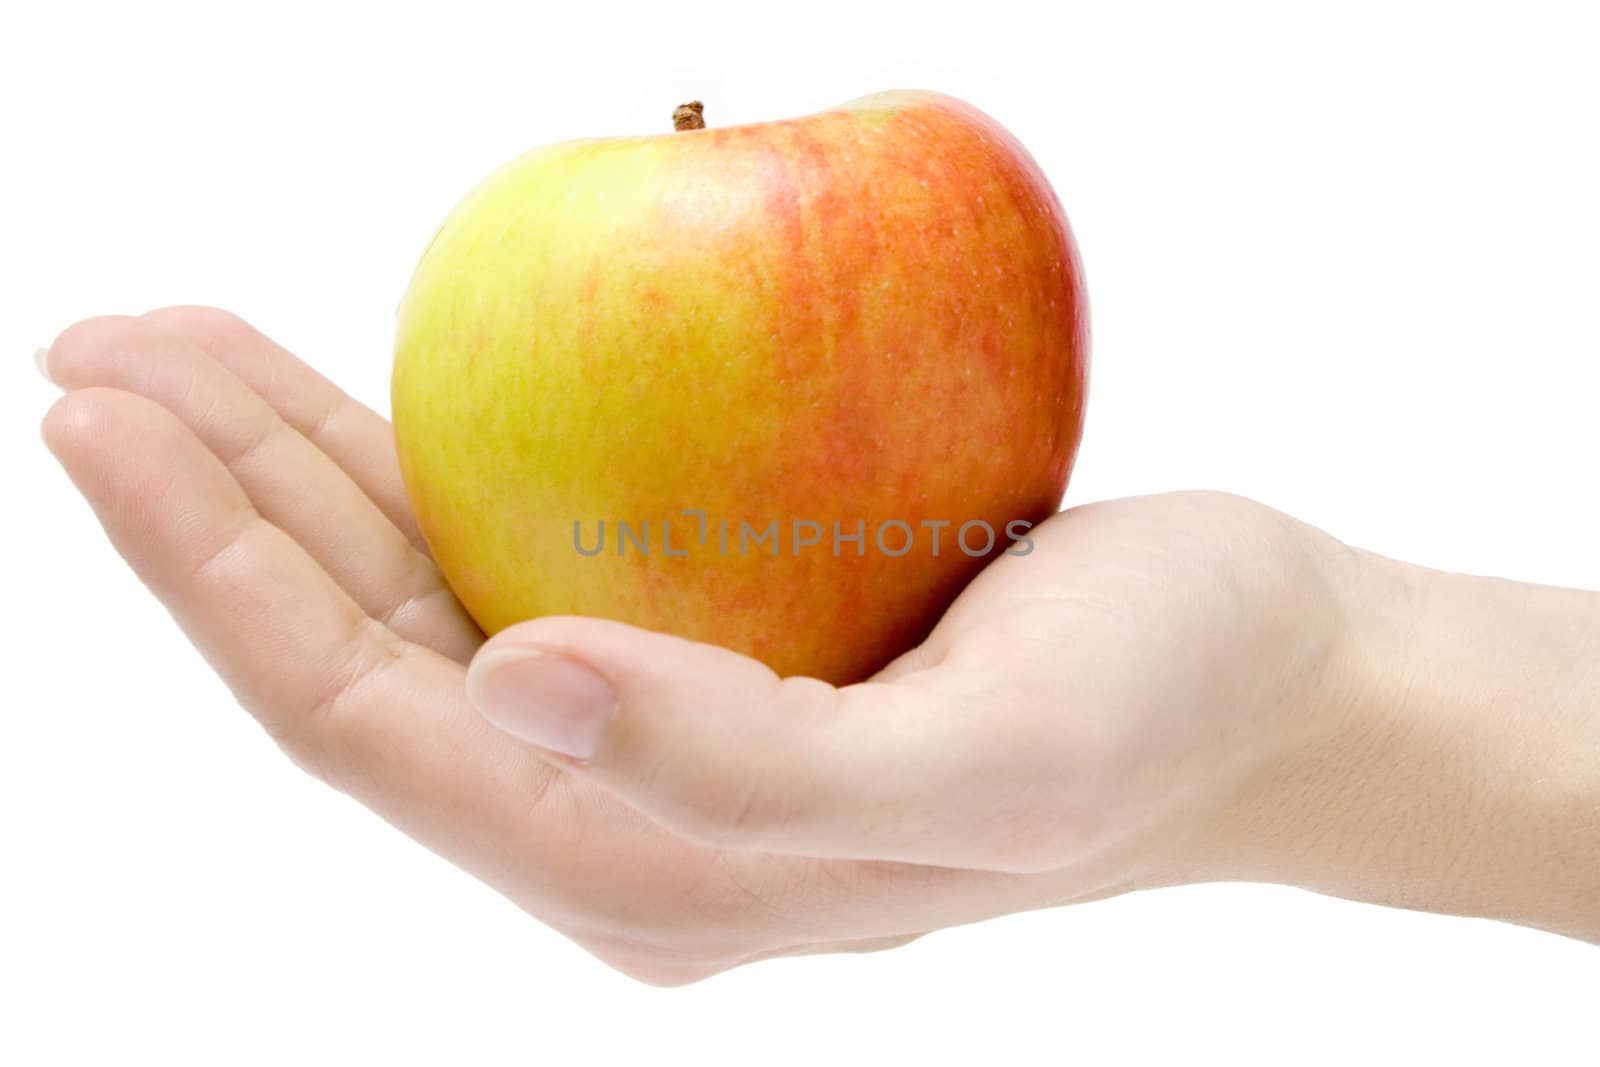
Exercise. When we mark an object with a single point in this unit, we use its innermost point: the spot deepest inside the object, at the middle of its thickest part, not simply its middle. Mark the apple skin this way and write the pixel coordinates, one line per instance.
(871, 313)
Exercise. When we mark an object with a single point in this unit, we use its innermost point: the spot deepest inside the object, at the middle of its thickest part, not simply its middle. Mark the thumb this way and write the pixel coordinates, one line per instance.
(718, 749)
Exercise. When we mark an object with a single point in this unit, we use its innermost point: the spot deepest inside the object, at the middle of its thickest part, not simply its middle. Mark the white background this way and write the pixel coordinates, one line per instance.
(1344, 258)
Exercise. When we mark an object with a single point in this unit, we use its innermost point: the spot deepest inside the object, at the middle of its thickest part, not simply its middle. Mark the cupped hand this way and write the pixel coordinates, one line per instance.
(1101, 715)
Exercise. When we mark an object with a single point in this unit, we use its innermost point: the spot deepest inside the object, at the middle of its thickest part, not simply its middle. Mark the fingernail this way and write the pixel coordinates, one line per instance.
(41, 359)
(543, 698)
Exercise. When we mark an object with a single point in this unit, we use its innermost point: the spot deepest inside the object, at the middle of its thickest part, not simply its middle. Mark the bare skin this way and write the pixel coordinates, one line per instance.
(1169, 689)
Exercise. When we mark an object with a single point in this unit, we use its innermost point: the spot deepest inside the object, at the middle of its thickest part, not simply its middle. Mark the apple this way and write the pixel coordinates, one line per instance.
(765, 386)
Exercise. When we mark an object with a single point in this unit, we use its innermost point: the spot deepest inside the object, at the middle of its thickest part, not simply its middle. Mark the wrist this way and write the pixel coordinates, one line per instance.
(1449, 758)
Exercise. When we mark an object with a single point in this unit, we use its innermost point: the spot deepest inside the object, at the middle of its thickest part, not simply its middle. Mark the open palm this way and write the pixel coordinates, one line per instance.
(1080, 716)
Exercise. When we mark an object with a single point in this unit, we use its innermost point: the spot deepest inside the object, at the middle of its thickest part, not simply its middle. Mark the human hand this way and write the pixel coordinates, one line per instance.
(1113, 711)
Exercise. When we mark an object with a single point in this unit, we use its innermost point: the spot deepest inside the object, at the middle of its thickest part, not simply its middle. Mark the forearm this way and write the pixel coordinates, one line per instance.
(1454, 760)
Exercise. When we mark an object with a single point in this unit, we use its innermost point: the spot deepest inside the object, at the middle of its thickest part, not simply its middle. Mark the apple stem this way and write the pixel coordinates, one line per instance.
(689, 116)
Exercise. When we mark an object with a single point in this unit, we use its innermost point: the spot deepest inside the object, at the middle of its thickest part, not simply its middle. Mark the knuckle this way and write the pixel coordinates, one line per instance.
(239, 454)
(716, 802)
(218, 569)
(754, 810)
(729, 809)
(427, 586)
(329, 737)
(215, 569)
(748, 802)
(744, 812)
(325, 418)
(373, 649)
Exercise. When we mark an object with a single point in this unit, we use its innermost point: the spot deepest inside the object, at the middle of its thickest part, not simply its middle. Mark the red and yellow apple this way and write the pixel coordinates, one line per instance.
(873, 317)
